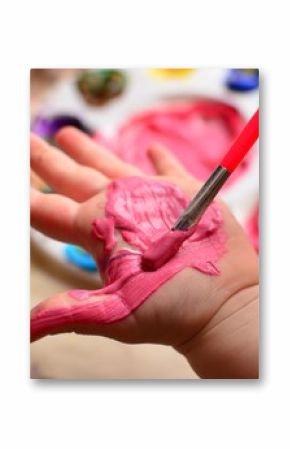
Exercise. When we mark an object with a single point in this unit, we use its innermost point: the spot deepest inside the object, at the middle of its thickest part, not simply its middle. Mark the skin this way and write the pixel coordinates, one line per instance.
(212, 320)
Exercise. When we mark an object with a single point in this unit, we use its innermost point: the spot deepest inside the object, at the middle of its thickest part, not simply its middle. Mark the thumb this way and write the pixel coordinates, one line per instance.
(80, 311)
(168, 167)
(165, 163)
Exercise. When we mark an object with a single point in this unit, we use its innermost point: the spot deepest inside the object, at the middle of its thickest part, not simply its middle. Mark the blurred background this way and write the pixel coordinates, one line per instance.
(196, 113)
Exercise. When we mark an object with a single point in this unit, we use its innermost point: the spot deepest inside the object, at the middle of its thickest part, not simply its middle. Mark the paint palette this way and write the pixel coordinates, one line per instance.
(146, 91)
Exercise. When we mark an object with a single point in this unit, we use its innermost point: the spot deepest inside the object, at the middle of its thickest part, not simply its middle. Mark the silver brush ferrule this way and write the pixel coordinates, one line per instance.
(202, 199)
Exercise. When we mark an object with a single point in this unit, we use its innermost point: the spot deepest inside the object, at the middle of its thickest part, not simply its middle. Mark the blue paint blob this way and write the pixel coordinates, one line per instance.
(80, 258)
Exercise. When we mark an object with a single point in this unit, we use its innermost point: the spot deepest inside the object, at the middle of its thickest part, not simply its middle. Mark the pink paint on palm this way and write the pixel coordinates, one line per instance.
(164, 248)
(198, 133)
(141, 211)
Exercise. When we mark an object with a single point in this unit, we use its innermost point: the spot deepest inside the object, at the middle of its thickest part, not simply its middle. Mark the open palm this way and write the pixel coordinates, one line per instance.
(174, 313)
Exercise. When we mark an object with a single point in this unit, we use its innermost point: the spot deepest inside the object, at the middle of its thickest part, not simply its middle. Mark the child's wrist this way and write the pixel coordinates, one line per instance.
(228, 346)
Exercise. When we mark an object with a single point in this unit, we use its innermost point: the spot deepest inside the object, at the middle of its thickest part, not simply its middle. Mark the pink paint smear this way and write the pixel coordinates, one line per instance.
(138, 213)
(198, 133)
(252, 227)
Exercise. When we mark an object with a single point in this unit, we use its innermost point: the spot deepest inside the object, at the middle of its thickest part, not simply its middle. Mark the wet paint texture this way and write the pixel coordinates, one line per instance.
(198, 133)
(137, 213)
(164, 248)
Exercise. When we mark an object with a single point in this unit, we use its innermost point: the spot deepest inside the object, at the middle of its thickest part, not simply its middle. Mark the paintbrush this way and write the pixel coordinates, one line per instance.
(217, 179)
(168, 244)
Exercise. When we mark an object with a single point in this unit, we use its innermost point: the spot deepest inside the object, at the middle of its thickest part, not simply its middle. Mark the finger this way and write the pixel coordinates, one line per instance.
(69, 312)
(85, 151)
(53, 215)
(164, 162)
(169, 167)
(62, 173)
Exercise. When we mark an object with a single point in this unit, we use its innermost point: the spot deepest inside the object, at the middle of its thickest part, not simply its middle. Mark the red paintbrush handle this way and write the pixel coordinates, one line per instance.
(242, 144)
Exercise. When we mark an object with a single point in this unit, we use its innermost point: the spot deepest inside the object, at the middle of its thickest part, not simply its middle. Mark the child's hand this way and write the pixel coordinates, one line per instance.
(212, 319)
